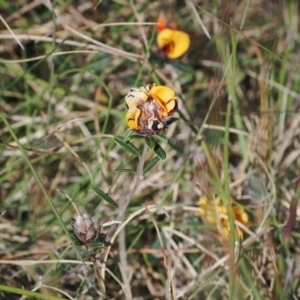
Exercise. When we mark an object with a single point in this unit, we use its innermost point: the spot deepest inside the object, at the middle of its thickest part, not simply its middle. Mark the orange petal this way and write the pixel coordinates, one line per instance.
(173, 26)
(161, 24)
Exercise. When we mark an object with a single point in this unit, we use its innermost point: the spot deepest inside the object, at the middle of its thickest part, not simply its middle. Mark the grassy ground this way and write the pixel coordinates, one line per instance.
(65, 68)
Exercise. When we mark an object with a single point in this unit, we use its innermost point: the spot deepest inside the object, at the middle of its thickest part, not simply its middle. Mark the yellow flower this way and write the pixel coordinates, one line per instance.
(149, 109)
(173, 43)
(214, 213)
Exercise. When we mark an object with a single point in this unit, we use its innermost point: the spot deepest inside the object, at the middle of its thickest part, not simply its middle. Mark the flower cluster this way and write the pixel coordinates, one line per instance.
(150, 109)
(172, 42)
(216, 213)
(85, 228)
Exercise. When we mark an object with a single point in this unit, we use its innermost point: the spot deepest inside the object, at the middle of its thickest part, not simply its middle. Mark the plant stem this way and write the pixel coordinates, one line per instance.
(124, 205)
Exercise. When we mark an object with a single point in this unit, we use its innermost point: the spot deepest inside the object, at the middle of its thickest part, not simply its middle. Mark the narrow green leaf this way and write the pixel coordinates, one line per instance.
(150, 142)
(97, 244)
(129, 147)
(125, 170)
(161, 137)
(75, 239)
(75, 191)
(35, 295)
(151, 164)
(127, 135)
(159, 151)
(105, 197)
(133, 149)
(136, 136)
(184, 67)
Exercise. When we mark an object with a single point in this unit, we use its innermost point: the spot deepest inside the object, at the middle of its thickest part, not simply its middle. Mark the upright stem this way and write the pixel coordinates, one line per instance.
(130, 195)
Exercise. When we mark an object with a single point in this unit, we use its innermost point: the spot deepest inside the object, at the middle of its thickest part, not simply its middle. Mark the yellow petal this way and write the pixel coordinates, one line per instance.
(173, 43)
(132, 118)
(222, 210)
(164, 37)
(241, 215)
(211, 220)
(226, 231)
(162, 92)
(165, 97)
(203, 201)
(135, 98)
(218, 201)
(171, 105)
(217, 214)
(244, 218)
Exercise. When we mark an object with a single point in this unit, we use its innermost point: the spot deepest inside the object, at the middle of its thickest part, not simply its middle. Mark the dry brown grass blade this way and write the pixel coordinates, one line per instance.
(12, 33)
(165, 258)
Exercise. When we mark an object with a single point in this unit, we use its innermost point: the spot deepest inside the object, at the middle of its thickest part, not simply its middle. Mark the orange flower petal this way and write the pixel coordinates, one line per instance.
(173, 43)
(173, 26)
(161, 24)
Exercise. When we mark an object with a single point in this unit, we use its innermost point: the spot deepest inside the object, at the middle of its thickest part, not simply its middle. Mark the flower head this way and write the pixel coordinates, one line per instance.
(85, 228)
(150, 109)
(215, 213)
(172, 42)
